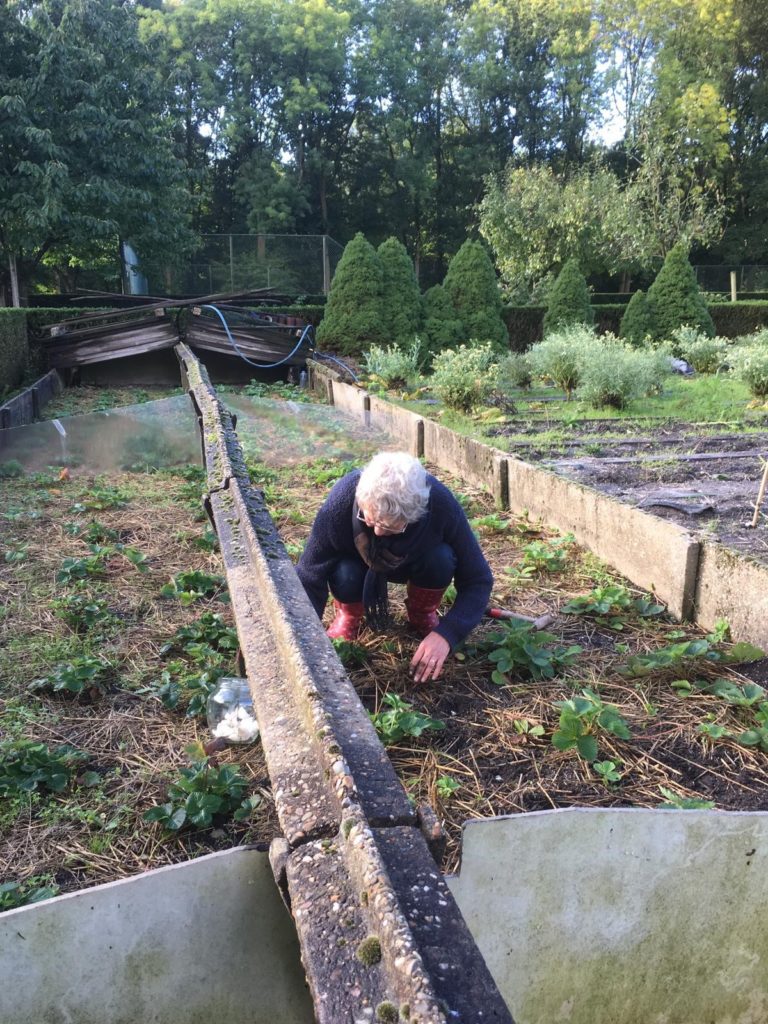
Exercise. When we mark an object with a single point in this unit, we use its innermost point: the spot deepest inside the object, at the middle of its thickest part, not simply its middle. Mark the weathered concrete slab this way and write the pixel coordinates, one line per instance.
(470, 460)
(622, 916)
(655, 554)
(209, 940)
(350, 400)
(402, 425)
(732, 586)
(379, 894)
(321, 378)
(27, 406)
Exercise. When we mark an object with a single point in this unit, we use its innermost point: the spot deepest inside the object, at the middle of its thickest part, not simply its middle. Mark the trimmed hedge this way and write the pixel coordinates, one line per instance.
(14, 351)
(732, 319)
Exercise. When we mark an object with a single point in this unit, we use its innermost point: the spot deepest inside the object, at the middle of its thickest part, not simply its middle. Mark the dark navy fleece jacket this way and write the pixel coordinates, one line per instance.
(331, 540)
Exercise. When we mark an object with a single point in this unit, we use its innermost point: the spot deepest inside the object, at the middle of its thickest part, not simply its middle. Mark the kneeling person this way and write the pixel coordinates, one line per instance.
(394, 522)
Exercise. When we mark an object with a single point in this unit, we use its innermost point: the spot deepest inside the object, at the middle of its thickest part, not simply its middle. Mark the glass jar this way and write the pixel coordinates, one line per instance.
(230, 711)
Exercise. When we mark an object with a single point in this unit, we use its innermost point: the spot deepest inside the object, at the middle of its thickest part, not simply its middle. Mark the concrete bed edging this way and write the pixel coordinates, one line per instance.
(27, 406)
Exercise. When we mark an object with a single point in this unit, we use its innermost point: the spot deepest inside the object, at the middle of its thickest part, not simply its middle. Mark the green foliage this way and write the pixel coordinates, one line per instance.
(612, 375)
(669, 657)
(612, 602)
(402, 310)
(13, 347)
(11, 470)
(103, 496)
(608, 771)
(561, 356)
(673, 801)
(514, 372)
(26, 766)
(442, 328)
(180, 687)
(463, 378)
(393, 367)
(446, 786)
(73, 569)
(200, 793)
(569, 303)
(350, 654)
(546, 555)
(518, 649)
(474, 293)
(581, 718)
(706, 355)
(87, 674)
(399, 720)
(22, 894)
(210, 629)
(637, 322)
(83, 611)
(354, 312)
(192, 584)
(750, 364)
(674, 298)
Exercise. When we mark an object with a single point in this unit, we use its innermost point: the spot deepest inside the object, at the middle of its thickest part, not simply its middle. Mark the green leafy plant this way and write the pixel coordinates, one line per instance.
(446, 786)
(84, 675)
(526, 728)
(393, 367)
(613, 602)
(82, 611)
(11, 469)
(104, 496)
(608, 772)
(582, 717)
(673, 801)
(493, 523)
(192, 584)
(350, 654)
(15, 555)
(26, 766)
(671, 656)
(464, 377)
(179, 687)
(210, 629)
(93, 566)
(547, 555)
(518, 649)
(208, 541)
(200, 793)
(399, 720)
(750, 365)
(21, 894)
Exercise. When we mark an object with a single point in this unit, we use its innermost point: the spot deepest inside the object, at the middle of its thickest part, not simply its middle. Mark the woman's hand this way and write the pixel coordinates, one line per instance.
(427, 662)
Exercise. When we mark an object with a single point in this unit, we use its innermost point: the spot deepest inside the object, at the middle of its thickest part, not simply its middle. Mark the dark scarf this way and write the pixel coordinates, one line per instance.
(383, 555)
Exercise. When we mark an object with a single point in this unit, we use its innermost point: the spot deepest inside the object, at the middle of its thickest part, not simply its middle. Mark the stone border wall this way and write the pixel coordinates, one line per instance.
(697, 580)
(27, 406)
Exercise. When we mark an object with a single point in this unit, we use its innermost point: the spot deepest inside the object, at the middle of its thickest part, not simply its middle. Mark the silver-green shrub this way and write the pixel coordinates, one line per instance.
(750, 364)
(705, 354)
(561, 356)
(514, 371)
(393, 366)
(464, 378)
(616, 374)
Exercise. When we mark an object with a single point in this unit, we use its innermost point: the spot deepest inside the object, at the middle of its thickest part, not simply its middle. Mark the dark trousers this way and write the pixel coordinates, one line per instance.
(432, 569)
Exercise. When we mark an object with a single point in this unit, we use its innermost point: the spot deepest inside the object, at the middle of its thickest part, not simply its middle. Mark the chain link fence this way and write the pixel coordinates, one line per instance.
(749, 278)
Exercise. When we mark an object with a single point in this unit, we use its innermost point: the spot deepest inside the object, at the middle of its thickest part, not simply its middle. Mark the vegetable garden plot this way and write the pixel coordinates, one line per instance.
(613, 706)
(114, 628)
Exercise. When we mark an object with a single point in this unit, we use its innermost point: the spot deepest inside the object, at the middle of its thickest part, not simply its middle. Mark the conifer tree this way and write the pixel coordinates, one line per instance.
(474, 293)
(442, 327)
(353, 317)
(637, 323)
(403, 311)
(568, 302)
(674, 298)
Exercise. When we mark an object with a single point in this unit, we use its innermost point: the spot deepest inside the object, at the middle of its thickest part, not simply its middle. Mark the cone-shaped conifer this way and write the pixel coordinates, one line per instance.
(474, 293)
(403, 312)
(442, 327)
(568, 302)
(674, 298)
(637, 323)
(353, 317)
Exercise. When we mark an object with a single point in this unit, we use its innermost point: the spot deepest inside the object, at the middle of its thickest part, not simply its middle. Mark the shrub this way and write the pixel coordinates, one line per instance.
(674, 298)
(568, 300)
(402, 311)
(442, 327)
(463, 378)
(474, 293)
(560, 356)
(514, 371)
(353, 317)
(393, 366)
(750, 364)
(13, 348)
(706, 355)
(637, 322)
(615, 374)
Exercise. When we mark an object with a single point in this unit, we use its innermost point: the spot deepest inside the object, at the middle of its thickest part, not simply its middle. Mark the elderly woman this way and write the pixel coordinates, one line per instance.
(393, 522)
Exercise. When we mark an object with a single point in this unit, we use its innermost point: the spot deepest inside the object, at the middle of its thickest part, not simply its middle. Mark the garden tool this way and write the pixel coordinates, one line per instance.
(539, 623)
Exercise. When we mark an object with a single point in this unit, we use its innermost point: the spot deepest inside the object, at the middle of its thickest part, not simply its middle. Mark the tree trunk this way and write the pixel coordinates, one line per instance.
(14, 272)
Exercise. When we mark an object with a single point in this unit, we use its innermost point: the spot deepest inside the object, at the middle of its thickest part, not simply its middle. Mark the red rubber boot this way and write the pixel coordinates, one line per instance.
(422, 605)
(346, 624)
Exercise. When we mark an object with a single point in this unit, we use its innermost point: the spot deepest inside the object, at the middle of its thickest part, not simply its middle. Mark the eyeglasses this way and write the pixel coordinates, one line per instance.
(376, 525)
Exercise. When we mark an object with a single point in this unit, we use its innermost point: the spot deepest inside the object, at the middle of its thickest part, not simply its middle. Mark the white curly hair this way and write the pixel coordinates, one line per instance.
(393, 486)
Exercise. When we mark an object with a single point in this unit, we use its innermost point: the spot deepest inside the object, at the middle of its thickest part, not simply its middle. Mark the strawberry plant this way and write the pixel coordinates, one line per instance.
(192, 584)
(400, 720)
(547, 556)
(86, 674)
(15, 555)
(103, 496)
(613, 602)
(82, 611)
(201, 792)
(582, 717)
(26, 766)
(90, 566)
(683, 803)
(518, 649)
(21, 894)
(209, 629)
(446, 786)
(607, 771)
(350, 654)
